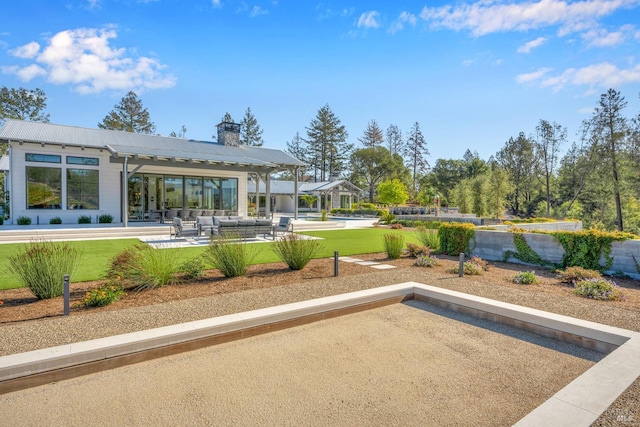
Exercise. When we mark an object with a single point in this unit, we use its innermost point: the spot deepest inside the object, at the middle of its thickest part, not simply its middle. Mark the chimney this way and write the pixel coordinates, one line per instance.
(229, 133)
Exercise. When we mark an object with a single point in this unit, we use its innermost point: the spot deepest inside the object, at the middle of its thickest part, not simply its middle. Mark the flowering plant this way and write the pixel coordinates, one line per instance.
(525, 278)
(600, 289)
(103, 295)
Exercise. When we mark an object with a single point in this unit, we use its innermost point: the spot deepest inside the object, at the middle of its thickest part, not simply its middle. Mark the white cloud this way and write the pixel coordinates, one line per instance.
(404, 18)
(29, 50)
(257, 11)
(491, 16)
(603, 75)
(531, 77)
(603, 38)
(369, 20)
(530, 45)
(83, 58)
(216, 3)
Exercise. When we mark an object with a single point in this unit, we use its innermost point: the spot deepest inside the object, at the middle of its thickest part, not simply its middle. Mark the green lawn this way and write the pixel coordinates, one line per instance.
(96, 254)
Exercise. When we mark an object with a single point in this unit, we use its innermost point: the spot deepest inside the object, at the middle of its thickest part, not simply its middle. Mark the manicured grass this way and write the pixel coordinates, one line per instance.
(96, 254)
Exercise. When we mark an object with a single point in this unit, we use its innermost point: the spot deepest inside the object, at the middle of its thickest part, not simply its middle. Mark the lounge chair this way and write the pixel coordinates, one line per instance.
(178, 230)
(284, 226)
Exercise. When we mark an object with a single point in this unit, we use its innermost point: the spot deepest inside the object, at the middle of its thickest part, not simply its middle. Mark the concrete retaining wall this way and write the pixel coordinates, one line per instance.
(492, 245)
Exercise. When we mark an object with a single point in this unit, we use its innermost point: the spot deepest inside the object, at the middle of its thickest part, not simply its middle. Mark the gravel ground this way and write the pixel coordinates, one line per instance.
(24, 336)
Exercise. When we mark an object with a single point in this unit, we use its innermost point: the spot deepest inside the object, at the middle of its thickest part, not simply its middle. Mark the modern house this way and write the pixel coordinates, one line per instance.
(329, 194)
(66, 172)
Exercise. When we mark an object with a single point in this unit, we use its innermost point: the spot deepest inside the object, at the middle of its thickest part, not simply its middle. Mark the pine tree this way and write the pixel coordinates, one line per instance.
(327, 150)
(129, 116)
(372, 136)
(226, 118)
(416, 152)
(395, 140)
(296, 147)
(251, 133)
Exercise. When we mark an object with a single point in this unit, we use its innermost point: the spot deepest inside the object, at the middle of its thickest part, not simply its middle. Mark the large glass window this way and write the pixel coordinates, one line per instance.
(193, 192)
(44, 188)
(211, 193)
(82, 189)
(229, 194)
(173, 192)
(134, 192)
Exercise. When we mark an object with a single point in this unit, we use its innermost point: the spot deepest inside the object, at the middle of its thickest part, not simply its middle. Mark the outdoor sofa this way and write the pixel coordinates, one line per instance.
(232, 226)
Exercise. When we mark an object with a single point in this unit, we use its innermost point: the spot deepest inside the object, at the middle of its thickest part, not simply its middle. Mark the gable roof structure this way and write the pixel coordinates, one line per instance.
(287, 187)
(152, 148)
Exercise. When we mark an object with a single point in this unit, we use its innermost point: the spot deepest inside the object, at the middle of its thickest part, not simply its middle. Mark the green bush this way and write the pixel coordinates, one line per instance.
(428, 237)
(525, 278)
(387, 217)
(416, 223)
(143, 267)
(323, 215)
(454, 237)
(40, 266)
(103, 295)
(295, 251)
(393, 245)
(24, 220)
(599, 289)
(427, 261)
(105, 219)
(55, 220)
(84, 219)
(193, 268)
(575, 274)
(1, 220)
(231, 258)
(469, 268)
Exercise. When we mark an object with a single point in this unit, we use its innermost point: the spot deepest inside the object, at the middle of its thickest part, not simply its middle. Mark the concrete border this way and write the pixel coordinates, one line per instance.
(578, 404)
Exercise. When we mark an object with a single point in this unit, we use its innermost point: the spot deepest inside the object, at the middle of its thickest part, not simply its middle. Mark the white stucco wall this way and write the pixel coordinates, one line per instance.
(109, 182)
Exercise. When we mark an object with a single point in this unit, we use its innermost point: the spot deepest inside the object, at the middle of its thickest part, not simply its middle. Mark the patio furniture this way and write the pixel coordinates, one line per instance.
(284, 226)
(178, 229)
(171, 213)
(232, 226)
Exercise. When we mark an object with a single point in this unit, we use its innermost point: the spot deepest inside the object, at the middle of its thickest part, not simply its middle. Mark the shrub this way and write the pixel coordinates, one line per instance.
(232, 259)
(454, 237)
(415, 251)
(55, 220)
(295, 251)
(193, 268)
(24, 220)
(40, 266)
(525, 278)
(396, 226)
(387, 217)
(84, 219)
(427, 261)
(1, 220)
(599, 289)
(323, 215)
(469, 268)
(484, 265)
(575, 274)
(103, 295)
(428, 237)
(105, 219)
(145, 268)
(393, 244)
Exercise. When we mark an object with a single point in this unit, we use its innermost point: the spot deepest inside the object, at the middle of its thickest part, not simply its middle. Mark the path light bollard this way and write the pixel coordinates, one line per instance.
(461, 267)
(67, 295)
(335, 264)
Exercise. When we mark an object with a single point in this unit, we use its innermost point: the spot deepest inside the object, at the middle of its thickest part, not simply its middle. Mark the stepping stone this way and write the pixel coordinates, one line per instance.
(383, 266)
(370, 263)
(349, 259)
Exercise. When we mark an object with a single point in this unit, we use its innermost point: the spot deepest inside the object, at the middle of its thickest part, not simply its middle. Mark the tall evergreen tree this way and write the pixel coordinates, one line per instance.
(549, 138)
(297, 148)
(328, 150)
(416, 154)
(609, 130)
(251, 132)
(129, 116)
(372, 136)
(518, 160)
(226, 118)
(395, 140)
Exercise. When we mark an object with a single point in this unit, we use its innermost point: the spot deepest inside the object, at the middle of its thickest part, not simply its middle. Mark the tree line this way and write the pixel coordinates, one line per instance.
(597, 180)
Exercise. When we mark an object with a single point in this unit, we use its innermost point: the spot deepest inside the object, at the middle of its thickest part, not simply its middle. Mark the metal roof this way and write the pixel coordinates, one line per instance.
(153, 147)
(286, 187)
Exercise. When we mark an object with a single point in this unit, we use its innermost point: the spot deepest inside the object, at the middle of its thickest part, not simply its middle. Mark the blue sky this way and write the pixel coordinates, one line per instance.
(472, 73)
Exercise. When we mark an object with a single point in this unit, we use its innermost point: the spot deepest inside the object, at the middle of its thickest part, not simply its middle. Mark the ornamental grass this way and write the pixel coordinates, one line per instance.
(295, 251)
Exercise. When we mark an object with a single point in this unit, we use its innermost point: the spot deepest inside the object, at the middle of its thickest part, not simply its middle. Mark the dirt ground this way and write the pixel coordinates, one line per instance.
(20, 304)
